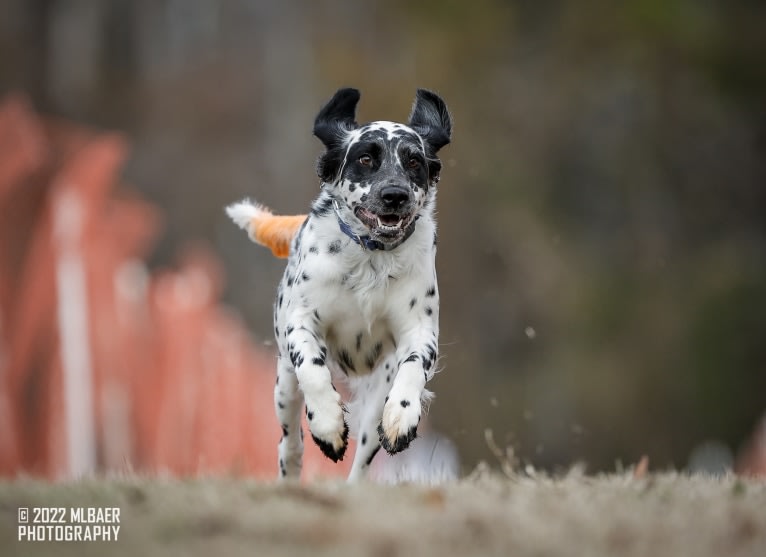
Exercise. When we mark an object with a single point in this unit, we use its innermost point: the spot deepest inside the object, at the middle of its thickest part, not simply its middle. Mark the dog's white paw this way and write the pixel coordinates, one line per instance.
(328, 427)
(399, 424)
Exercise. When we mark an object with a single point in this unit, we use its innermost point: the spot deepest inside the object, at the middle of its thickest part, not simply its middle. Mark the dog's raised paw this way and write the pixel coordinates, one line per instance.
(336, 450)
(327, 424)
(399, 424)
(398, 444)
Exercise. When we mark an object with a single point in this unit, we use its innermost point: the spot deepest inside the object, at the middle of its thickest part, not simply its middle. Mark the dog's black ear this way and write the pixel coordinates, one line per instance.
(431, 119)
(337, 117)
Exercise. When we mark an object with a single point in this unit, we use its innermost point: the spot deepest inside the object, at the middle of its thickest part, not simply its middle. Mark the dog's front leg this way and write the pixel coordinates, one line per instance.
(401, 413)
(324, 409)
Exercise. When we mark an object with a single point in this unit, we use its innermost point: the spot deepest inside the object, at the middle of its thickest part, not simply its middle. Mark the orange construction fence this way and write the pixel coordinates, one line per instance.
(105, 366)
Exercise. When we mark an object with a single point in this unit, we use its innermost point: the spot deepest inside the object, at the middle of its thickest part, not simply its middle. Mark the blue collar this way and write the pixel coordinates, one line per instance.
(367, 242)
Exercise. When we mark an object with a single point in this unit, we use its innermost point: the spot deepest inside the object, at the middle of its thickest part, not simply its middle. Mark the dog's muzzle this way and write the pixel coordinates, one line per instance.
(388, 231)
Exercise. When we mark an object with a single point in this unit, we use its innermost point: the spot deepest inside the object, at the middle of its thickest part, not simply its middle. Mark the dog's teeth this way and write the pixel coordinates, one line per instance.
(381, 224)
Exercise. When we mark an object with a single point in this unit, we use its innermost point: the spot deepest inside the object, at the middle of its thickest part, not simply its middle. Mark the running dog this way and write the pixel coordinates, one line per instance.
(359, 300)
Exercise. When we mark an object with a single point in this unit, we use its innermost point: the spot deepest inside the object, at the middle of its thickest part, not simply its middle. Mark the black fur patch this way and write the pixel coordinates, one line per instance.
(345, 361)
(318, 361)
(373, 356)
(372, 455)
(412, 358)
(296, 358)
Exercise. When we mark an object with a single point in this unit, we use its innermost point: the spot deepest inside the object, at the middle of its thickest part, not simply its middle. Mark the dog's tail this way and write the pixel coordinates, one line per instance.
(276, 232)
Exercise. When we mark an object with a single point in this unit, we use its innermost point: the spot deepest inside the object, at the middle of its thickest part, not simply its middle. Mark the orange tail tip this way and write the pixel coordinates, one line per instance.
(276, 232)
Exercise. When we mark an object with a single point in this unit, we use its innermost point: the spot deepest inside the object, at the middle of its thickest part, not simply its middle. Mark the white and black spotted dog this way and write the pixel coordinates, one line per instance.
(359, 300)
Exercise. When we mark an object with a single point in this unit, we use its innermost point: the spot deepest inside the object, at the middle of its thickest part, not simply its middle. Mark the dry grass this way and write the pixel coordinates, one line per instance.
(656, 514)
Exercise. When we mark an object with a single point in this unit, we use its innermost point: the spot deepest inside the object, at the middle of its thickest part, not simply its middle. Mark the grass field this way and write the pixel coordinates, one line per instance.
(656, 515)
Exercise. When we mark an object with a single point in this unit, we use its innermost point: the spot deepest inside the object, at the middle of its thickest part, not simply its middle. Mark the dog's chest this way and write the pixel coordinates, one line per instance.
(355, 302)
(351, 310)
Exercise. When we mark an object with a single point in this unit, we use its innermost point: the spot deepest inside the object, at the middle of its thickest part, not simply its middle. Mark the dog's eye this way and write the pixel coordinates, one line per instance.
(413, 163)
(365, 160)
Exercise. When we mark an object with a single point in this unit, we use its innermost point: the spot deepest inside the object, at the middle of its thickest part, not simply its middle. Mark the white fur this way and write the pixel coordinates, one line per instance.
(244, 212)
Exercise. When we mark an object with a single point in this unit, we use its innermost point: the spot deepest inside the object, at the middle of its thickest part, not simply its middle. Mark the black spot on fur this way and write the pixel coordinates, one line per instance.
(313, 249)
(322, 207)
(429, 357)
(297, 242)
(372, 455)
(281, 405)
(373, 356)
(345, 361)
(305, 277)
(412, 358)
(309, 414)
(334, 247)
(405, 403)
(431, 291)
(290, 329)
(296, 358)
(364, 439)
(413, 302)
(318, 361)
(285, 433)
(428, 310)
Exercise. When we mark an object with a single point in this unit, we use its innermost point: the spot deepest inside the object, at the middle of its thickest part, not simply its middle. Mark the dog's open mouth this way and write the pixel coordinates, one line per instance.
(386, 225)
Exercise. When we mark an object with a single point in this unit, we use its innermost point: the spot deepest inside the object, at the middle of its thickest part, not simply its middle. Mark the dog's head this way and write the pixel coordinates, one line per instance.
(382, 173)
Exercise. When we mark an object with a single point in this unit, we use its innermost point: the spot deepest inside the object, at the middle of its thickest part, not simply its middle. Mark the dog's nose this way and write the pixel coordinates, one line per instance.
(394, 197)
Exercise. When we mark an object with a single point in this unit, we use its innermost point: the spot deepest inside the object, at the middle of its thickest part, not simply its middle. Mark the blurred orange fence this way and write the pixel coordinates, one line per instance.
(104, 366)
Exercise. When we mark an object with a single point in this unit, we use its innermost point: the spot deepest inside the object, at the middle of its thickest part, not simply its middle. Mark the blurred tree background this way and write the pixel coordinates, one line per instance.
(602, 209)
